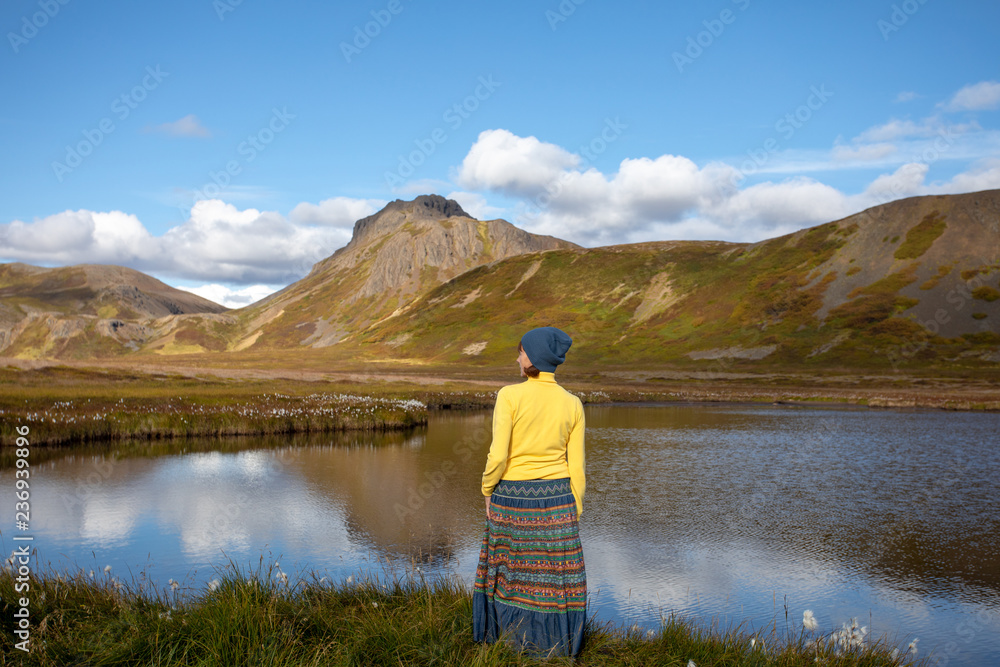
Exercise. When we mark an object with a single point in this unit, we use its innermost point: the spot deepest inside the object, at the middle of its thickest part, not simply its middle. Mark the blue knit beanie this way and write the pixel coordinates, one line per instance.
(546, 347)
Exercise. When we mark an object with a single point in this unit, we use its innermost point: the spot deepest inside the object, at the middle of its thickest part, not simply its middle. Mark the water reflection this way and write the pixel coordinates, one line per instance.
(718, 512)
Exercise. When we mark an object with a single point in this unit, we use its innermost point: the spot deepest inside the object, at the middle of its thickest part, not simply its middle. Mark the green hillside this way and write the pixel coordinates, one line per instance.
(912, 284)
(722, 305)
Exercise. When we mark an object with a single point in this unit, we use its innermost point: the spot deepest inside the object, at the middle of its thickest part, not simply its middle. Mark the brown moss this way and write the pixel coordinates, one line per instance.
(986, 293)
(891, 284)
(921, 236)
(969, 274)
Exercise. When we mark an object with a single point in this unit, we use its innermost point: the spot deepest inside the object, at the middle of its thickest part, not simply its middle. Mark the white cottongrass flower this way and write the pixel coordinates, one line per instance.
(214, 584)
(107, 568)
(375, 604)
(808, 620)
(350, 579)
(912, 648)
(91, 574)
(691, 663)
(849, 637)
(173, 584)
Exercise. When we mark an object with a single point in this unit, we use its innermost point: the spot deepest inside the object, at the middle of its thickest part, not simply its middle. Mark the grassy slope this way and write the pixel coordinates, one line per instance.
(730, 295)
(256, 618)
(853, 294)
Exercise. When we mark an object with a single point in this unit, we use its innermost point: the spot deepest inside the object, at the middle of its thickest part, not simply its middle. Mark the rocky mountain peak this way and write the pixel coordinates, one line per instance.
(436, 206)
(396, 213)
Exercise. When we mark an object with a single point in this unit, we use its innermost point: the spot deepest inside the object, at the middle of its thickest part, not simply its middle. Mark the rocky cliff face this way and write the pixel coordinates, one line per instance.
(394, 256)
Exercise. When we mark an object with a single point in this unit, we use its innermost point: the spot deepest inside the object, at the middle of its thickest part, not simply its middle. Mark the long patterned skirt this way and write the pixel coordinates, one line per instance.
(531, 585)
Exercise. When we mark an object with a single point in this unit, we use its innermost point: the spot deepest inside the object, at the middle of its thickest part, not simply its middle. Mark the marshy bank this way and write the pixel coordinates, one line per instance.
(263, 617)
(63, 405)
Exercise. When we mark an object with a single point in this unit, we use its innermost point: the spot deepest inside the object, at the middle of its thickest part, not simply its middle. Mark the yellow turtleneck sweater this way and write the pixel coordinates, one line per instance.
(537, 434)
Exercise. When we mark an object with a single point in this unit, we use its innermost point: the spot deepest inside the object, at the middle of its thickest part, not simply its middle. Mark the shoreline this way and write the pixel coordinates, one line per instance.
(65, 406)
(264, 618)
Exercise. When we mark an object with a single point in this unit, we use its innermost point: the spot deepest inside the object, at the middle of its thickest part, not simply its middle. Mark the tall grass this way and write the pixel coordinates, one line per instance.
(261, 617)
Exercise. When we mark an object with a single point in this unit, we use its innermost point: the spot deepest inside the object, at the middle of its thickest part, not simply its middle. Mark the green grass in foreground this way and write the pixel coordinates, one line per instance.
(262, 618)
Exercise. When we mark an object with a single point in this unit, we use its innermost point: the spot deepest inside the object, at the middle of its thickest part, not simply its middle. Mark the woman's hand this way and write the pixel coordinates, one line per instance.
(487, 507)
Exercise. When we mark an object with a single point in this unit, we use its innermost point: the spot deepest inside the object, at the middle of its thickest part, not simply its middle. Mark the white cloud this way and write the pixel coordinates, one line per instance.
(897, 129)
(232, 297)
(335, 212)
(764, 207)
(671, 197)
(863, 152)
(906, 96)
(218, 242)
(984, 175)
(475, 205)
(188, 126)
(907, 181)
(78, 237)
(977, 97)
(221, 242)
(666, 197)
(501, 160)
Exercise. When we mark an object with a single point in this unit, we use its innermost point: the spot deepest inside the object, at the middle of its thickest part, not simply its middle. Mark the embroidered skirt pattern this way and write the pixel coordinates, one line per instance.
(531, 585)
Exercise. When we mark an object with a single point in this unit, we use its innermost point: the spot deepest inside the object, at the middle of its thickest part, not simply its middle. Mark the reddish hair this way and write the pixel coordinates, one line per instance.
(530, 371)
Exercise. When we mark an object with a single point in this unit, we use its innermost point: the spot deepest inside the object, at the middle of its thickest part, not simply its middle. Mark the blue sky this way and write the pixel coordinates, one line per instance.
(225, 146)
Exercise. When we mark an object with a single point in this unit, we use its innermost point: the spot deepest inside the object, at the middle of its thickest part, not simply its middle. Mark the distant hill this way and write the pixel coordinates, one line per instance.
(55, 312)
(912, 283)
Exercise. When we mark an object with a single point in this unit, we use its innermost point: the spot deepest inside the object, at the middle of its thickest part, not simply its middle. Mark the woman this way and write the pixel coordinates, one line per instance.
(531, 586)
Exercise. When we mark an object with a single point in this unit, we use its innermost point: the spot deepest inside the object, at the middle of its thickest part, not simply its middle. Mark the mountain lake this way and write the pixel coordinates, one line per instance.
(727, 514)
